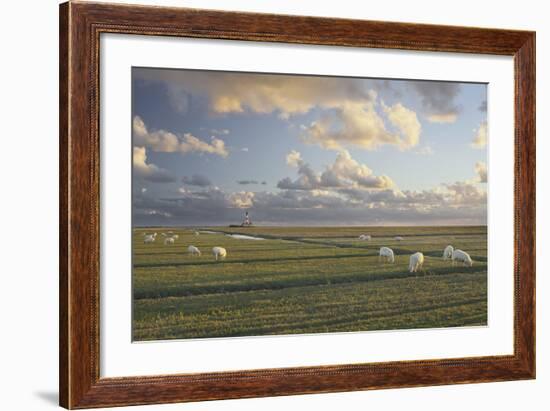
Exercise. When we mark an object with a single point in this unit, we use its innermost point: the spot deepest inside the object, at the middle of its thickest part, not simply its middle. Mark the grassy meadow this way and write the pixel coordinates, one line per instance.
(304, 280)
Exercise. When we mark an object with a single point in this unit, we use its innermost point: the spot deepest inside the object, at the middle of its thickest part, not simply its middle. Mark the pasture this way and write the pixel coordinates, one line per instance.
(304, 280)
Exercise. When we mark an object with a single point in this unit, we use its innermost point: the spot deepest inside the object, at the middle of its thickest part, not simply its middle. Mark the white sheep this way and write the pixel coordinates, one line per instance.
(386, 254)
(365, 237)
(175, 236)
(163, 234)
(219, 252)
(448, 252)
(150, 238)
(196, 233)
(415, 262)
(398, 238)
(193, 250)
(169, 240)
(463, 257)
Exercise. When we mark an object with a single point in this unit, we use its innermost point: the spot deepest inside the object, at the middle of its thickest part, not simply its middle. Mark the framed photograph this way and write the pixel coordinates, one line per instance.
(259, 205)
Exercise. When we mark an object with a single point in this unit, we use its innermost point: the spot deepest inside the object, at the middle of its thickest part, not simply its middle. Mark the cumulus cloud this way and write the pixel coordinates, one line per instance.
(191, 144)
(406, 122)
(197, 180)
(345, 172)
(294, 158)
(460, 203)
(168, 142)
(480, 136)
(348, 105)
(344, 192)
(160, 140)
(261, 93)
(241, 199)
(481, 171)
(360, 125)
(465, 194)
(308, 179)
(149, 171)
(438, 100)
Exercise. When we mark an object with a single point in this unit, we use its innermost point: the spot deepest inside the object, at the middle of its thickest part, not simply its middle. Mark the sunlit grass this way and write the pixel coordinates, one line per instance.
(305, 280)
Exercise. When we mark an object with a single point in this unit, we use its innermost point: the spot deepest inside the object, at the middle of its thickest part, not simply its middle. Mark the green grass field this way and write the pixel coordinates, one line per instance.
(305, 280)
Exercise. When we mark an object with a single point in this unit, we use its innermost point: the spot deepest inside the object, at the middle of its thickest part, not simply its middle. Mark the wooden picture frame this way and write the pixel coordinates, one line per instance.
(80, 27)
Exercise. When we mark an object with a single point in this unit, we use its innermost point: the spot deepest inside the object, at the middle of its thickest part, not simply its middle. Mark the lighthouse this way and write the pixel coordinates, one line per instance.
(246, 222)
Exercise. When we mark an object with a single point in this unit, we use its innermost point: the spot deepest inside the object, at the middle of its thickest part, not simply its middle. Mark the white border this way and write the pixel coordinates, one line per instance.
(119, 357)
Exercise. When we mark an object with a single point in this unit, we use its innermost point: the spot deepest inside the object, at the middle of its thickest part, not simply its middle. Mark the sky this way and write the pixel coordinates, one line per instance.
(306, 150)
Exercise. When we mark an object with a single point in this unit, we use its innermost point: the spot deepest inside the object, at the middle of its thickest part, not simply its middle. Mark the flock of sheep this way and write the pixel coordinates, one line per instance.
(416, 260)
(386, 254)
(170, 238)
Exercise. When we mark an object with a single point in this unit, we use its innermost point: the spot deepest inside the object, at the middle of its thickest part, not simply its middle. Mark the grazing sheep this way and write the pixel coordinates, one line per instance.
(398, 238)
(386, 254)
(175, 236)
(219, 252)
(448, 252)
(461, 256)
(415, 262)
(365, 237)
(163, 234)
(193, 250)
(169, 240)
(150, 238)
(196, 233)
